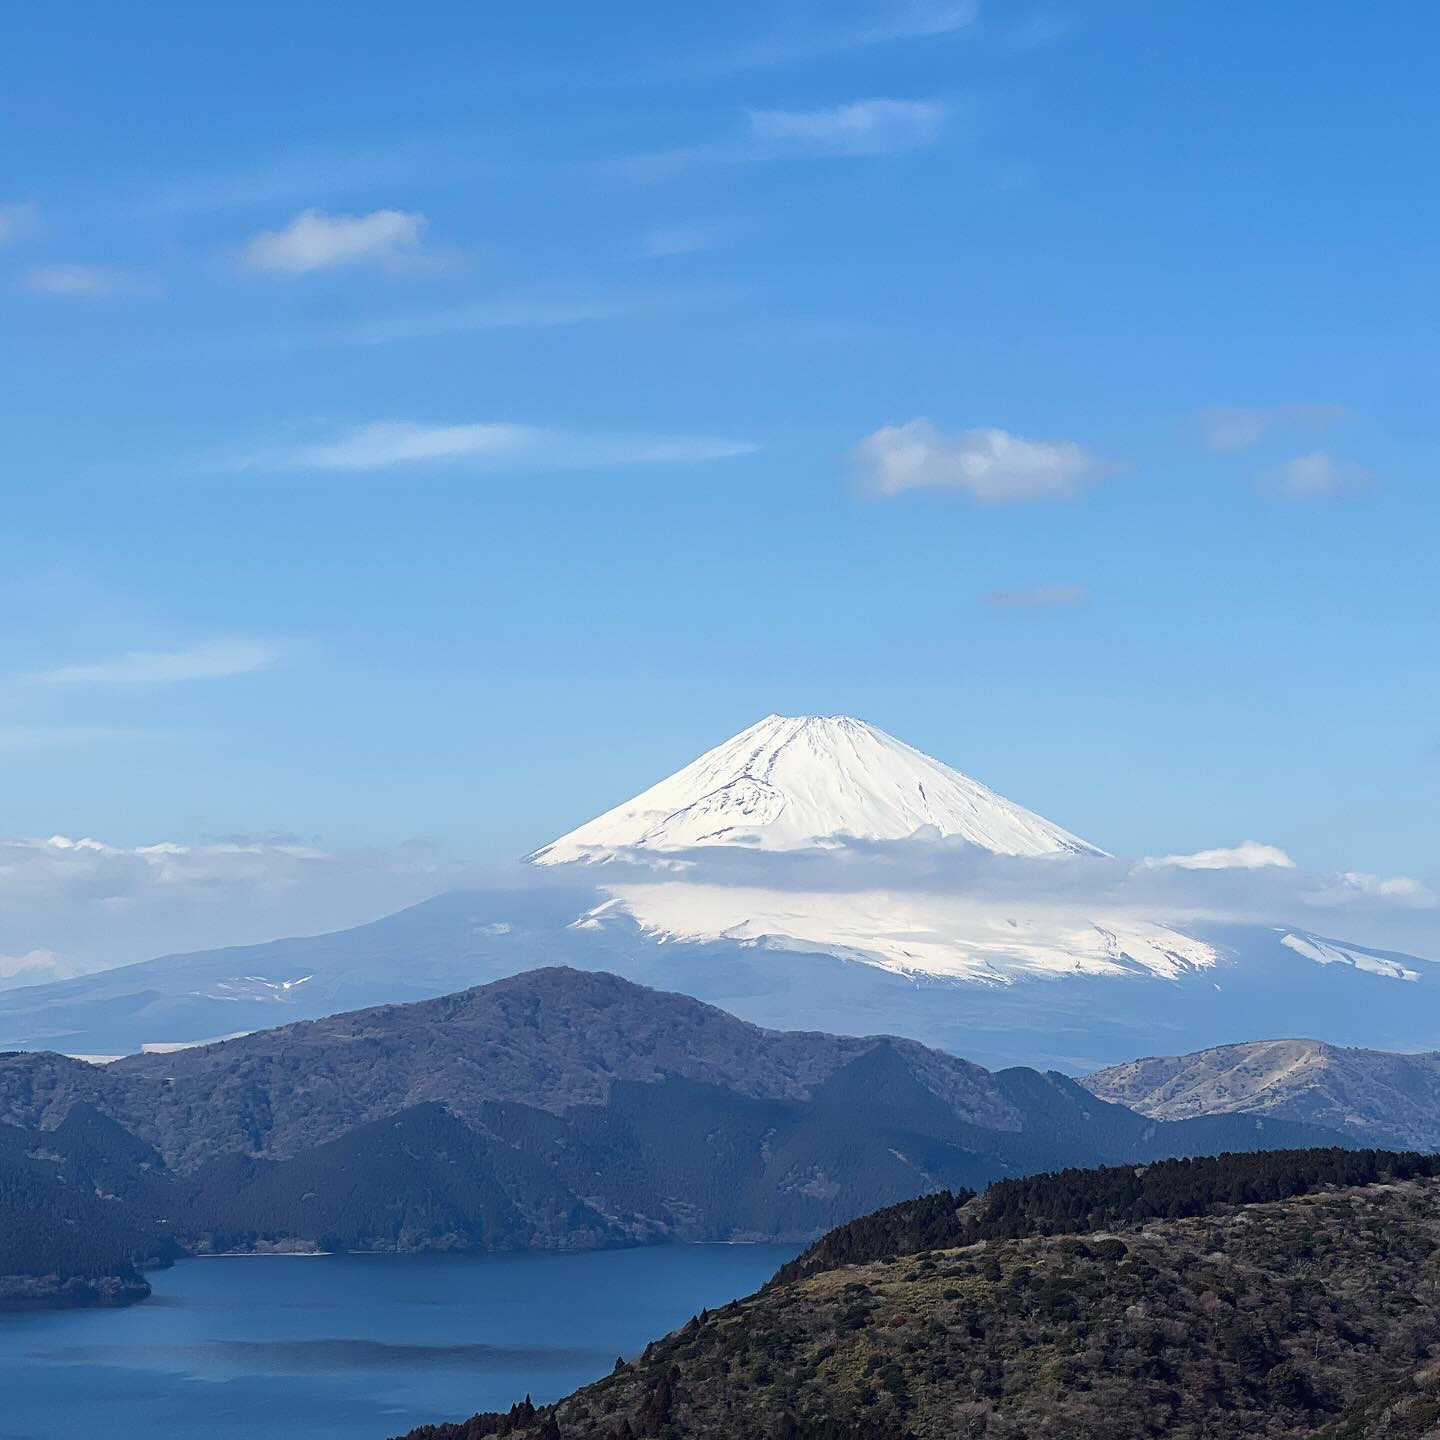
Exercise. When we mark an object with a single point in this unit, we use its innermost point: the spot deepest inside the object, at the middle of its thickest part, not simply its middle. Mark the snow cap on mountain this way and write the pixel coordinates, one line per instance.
(796, 782)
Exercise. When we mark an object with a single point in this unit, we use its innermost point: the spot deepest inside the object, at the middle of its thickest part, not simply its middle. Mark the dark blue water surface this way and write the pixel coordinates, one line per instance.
(360, 1346)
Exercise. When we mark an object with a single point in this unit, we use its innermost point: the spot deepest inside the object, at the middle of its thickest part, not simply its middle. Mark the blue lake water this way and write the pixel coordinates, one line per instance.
(359, 1346)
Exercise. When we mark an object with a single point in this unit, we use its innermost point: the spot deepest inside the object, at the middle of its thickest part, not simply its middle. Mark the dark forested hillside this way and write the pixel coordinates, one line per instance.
(1314, 1315)
(557, 1109)
(65, 1236)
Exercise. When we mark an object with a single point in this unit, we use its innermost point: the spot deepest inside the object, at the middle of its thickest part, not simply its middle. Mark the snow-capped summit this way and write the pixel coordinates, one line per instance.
(796, 782)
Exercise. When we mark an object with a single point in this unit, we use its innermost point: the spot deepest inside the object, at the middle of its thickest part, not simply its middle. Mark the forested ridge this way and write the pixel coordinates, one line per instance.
(1075, 1202)
(557, 1109)
(1287, 1296)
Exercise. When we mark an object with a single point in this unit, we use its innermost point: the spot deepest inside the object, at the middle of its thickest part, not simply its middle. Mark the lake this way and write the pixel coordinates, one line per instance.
(359, 1346)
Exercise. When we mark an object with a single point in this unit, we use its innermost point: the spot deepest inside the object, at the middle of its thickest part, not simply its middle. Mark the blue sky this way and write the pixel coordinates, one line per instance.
(443, 420)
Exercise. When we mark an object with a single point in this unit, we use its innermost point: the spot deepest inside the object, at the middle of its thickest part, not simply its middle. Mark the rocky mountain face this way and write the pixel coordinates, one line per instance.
(1379, 1098)
(1067, 1306)
(555, 1109)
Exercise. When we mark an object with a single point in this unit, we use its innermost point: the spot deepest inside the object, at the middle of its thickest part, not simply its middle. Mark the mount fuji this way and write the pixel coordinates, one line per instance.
(812, 873)
(799, 782)
(815, 784)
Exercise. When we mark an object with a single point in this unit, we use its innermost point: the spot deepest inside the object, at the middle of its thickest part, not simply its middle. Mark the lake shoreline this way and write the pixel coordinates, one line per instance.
(27, 1293)
(357, 1347)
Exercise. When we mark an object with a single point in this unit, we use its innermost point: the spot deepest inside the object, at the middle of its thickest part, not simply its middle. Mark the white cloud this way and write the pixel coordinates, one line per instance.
(86, 282)
(495, 446)
(1317, 474)
(16, 220)
(862, 127)
(1239, 427)
(39, 967)
(988, 464)
(314, 240)
(1037, 597)
(1248, 855)
(215, 660)
(1400, 888)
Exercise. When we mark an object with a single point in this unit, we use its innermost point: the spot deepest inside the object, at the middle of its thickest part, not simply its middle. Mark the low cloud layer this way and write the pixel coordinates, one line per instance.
(69, 906)
(1250, 883)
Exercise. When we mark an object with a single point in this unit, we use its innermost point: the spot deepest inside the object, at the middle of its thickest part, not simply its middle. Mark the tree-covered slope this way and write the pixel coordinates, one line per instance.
(67, 1235)
(1276, 1318)
(558, 1109)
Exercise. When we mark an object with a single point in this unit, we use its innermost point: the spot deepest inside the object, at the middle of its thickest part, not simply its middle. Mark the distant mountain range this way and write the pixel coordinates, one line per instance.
(1257, 986)
(1375, 1097)
(554, 1109)
(758, 878)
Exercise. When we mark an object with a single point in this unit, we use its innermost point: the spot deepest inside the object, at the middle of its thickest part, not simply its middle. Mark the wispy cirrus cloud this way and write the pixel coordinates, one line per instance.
(496, 446)
(663, 241)
(475, 319)
(87, 282)
(1317, 473)
(314, 240)
(313, 173)
(988, 464)
(1240, 427)
(214, 660)
(17, 220)
(23, 738)
(870, 128)
(861, 127)
(881, 24)
(1037, 597)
